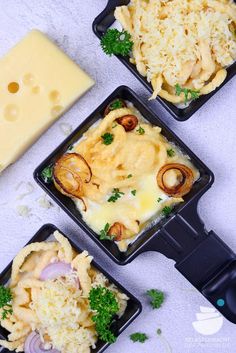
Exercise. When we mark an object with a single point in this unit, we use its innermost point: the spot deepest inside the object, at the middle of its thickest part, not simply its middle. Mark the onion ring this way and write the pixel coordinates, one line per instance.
(55, 270)
(185, 184)
(70, 172)
(33, 344)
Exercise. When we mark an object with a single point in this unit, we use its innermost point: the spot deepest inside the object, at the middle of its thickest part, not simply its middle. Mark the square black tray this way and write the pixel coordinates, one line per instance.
(133, 309)
(100, 25)
(204, 182)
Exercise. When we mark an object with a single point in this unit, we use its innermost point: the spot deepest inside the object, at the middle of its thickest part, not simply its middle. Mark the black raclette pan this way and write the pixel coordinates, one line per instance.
(201, 256)
(102, 23)
(133, 309)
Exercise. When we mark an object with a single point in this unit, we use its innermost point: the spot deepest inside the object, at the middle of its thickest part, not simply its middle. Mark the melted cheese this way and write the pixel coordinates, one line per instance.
(141, 156)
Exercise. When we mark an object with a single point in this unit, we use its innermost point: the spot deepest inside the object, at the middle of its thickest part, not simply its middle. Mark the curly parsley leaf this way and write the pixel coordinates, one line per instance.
(5, 302)
(170, 152)
(107, 138)
(188, 93)
(116, 42)
(105, 305)
(47, 174)
(138, 337)
(117, 104)
(159, 199)
(166, 210)
(141, 130)
(133, 192)
(116, 194)
(157, 298)
(104, 233)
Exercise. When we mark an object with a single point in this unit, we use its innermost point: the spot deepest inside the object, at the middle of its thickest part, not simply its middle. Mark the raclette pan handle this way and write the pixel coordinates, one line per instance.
(211, 268)
(201, 257)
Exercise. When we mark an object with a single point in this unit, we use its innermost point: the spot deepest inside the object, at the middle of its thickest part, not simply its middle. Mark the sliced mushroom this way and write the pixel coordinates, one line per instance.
(115, 104)
(129, 122)
(117, 230)
(186, 179)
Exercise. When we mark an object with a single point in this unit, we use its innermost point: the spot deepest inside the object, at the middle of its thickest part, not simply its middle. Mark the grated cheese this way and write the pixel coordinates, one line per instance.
(166, 36)
(65, 316)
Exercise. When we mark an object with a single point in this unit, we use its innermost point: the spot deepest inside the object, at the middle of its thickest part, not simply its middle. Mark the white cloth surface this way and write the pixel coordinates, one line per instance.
(210, 133)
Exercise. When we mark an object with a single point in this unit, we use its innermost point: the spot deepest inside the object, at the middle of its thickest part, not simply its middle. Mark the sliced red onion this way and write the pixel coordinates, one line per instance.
(55, 270)
(33, 344)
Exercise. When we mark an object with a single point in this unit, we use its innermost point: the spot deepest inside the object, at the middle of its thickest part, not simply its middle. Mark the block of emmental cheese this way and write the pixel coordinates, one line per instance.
(38, 82)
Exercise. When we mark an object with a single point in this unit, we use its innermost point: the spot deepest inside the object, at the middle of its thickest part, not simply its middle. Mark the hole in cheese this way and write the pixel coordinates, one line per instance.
(56, 110)
(28, 79)
(35, 90)
(54, 96)
(11, 112)
(13, 87)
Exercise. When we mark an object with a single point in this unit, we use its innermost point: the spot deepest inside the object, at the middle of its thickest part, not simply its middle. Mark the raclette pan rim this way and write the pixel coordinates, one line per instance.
(68, 205)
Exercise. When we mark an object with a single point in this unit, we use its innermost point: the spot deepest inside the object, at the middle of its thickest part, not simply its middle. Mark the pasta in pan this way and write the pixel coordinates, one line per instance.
(116, 178)
(50, 286)
(183, 47)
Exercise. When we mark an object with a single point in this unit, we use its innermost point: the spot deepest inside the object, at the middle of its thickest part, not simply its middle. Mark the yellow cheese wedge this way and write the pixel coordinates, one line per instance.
(38, 82)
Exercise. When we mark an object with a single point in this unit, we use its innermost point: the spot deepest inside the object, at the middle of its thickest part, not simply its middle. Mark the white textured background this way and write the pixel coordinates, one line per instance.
(210, 133)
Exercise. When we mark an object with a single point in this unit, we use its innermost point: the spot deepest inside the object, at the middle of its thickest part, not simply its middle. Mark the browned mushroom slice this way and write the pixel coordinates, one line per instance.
(117, 230)
(184, 176)
(115, 104)
(129, 122)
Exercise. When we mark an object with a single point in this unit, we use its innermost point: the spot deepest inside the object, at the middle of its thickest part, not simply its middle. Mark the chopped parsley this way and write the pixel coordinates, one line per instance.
(141, 130)
(104, 304)
(170, 152)
(129, 176)
(157, 298)
(188, 93)
(117, 104)
(138, 337)
(133, 192)
(159, 332)
(47, 174)
(104, 233)
(166, 210)
(107, 138)
(5, 302)
(116, 194)
(116, 42)
(159, 199)
(115, 125)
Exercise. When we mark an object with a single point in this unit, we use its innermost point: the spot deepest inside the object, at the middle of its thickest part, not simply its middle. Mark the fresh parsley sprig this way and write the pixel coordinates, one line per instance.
(105, 306)
(5, 302)
(104, 233)
(116, 194)
(157, 298)
(141, 130)
(138, 337)
(107, 138)
(47, 174)
(166, 210)
(188, 93)
(117, 104)
(116, 42)
(170, 152)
